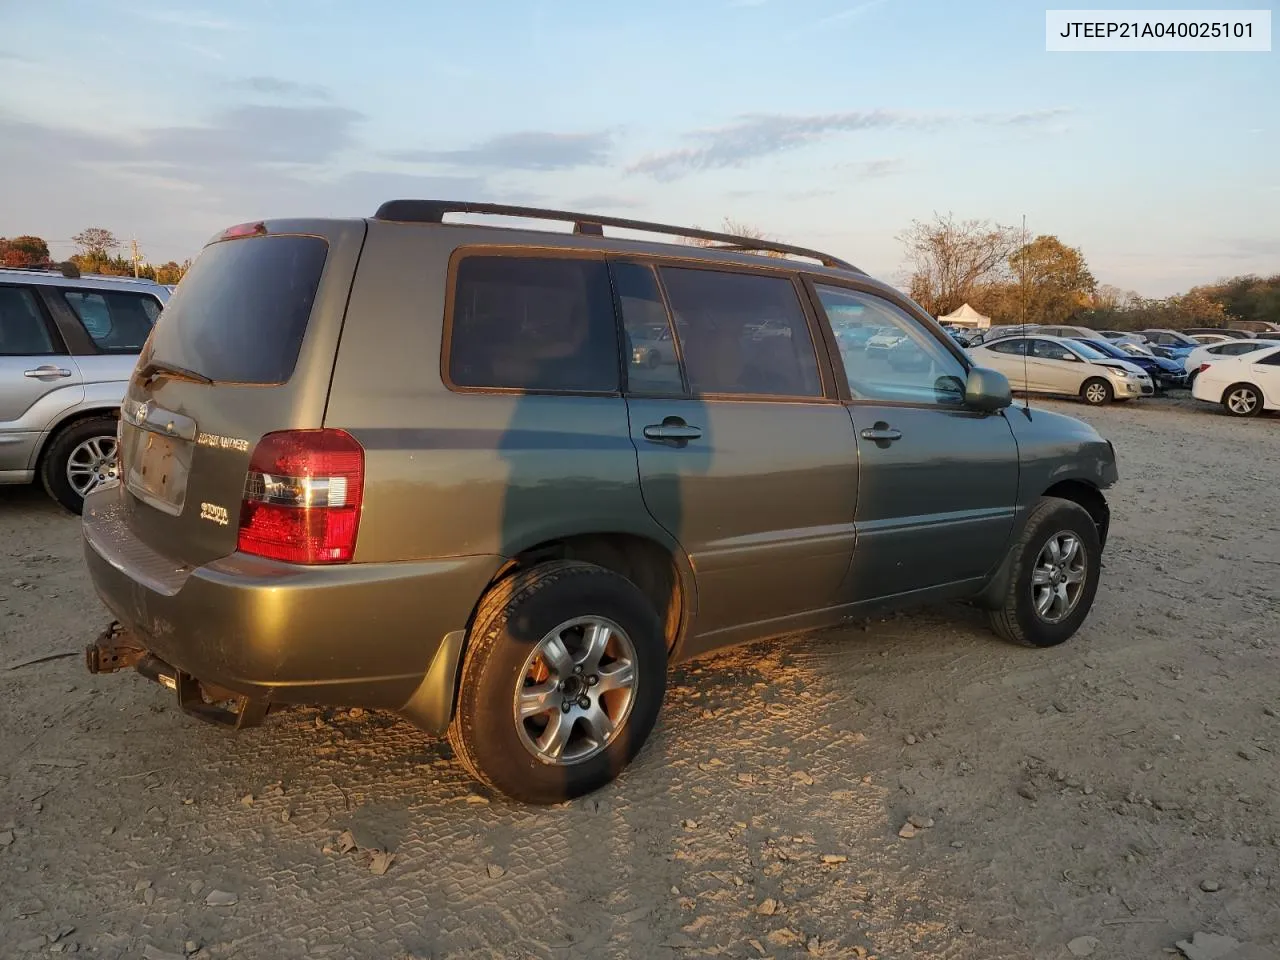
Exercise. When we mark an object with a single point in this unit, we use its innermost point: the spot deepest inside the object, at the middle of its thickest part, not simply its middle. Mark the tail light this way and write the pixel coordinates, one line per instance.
(302, 497)
(1204, 367)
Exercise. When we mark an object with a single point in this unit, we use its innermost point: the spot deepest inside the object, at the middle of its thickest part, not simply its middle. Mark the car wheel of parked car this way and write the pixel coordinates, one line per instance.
(79, 458)
(1097, 392)
(1242, 400)
(563, 679)
(1053, 575)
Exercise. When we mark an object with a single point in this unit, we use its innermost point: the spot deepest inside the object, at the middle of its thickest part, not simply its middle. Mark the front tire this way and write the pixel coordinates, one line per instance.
(1097, 392)
(1242, 400)
(564, 675)
(1053, 579)
(79, 458)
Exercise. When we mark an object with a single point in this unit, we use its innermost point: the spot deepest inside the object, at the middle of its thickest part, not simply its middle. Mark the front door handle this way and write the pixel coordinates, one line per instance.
(672, 430)
(47, 372)
(881, 433)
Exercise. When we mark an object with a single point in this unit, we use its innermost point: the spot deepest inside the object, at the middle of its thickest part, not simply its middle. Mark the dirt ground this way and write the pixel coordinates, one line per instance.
(1122, 787)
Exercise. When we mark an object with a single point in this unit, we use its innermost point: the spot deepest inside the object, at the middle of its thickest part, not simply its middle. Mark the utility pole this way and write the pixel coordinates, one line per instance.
(136, 258)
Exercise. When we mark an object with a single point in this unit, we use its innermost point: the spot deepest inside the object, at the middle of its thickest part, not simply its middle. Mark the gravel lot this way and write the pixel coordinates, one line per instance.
(1122, 787)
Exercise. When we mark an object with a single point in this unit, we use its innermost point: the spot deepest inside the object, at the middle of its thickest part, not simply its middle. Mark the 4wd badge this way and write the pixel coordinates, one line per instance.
(211, 511)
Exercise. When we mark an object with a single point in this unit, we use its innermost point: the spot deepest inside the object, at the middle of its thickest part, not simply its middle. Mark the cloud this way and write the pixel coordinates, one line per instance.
(603, 203)
(754, 136)
(7, 56)
(189, 20)
(875, 169)
(173, 187)
(531, 150)
(278, 87)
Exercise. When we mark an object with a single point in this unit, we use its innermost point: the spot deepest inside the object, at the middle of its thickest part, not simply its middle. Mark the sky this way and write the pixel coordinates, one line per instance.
(826, 123)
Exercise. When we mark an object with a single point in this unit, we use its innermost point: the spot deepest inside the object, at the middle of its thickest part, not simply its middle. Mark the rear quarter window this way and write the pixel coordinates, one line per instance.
(542, 324)
(117, 322)
(241, 311)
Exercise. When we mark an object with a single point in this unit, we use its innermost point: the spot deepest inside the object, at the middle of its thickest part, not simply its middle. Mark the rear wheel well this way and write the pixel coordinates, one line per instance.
(1088, 496)
(78, 417)
(644, 562)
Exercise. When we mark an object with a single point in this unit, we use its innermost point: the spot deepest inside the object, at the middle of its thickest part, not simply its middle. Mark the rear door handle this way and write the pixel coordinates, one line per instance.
(672, 430)
(42, 373)
(881, 432)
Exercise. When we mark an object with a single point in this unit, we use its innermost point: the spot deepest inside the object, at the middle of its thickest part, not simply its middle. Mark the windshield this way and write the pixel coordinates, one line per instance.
(1088, 352)
(1106, 349)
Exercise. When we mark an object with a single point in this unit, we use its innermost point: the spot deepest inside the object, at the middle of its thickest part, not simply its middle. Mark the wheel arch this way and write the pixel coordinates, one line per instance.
(1085, 494)
(65, 421)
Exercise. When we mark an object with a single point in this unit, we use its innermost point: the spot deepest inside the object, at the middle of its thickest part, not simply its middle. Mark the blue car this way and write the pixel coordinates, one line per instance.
(1164, 373)
(1170, 343)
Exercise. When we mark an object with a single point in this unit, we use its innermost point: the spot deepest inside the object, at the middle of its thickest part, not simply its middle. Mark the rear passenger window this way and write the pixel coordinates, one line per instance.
(650, 349)
(533, 323)
(117, 322)
(742, 333)
(22, 328)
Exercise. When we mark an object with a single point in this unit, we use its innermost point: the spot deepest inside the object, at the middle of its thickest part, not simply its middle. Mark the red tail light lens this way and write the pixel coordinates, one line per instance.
(302, 497)
(1204, 367)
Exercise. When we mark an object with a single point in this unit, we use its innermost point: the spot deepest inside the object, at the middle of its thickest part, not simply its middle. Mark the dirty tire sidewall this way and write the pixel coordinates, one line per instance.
(511, 621)
(1016, 618)
(53, 466)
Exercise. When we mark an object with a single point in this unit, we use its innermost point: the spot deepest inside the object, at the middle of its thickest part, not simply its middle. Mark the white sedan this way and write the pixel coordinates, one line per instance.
(1214, 351)
(1244, 385)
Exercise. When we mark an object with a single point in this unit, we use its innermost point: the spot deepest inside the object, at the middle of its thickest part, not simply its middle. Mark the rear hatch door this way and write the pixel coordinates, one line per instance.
(244, 347)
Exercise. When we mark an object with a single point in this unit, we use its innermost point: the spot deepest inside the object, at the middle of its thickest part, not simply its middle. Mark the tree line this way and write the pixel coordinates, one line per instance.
(1013, 278)
(95, 253)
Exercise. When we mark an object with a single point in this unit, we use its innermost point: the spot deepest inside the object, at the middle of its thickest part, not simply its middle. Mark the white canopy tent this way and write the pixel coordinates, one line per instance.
(966, 316)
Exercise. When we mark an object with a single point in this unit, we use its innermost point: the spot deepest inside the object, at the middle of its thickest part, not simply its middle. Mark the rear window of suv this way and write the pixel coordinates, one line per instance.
(543, 324)
(241, 311)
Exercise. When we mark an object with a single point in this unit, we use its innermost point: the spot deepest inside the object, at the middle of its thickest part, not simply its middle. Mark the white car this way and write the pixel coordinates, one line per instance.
(884, 341)
(1208, 338)
(1054, 365)
(1244, 385)
(1228, 348)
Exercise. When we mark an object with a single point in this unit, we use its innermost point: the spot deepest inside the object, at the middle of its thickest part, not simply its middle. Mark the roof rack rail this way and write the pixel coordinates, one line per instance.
(589, 224)
(66, 268)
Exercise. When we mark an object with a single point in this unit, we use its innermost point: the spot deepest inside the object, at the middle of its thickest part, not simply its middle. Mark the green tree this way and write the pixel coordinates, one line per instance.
(95, 242)
(24, 251)
(170, 272)
(1052, 280)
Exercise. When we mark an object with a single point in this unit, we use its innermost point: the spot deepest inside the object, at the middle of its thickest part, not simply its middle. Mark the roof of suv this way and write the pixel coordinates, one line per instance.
(56, 278)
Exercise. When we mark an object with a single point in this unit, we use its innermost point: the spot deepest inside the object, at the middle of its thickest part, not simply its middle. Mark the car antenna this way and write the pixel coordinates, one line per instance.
(1026, 343)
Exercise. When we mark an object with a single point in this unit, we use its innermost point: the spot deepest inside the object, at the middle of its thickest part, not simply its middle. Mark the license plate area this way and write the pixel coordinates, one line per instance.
(157, 467)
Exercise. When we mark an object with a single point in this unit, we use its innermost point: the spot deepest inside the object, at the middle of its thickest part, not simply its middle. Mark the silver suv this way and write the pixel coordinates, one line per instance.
(68, 344)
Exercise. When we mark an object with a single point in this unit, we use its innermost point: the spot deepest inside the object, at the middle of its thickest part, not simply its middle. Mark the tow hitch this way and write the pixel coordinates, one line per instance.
(115, 649)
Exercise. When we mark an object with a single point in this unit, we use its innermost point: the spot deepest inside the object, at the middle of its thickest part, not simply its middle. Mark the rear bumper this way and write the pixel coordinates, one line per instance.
(365, 634)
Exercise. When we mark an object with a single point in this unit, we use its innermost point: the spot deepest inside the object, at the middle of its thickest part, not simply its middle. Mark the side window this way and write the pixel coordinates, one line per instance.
(1237, 349)
(533, 323)
(742, 333)
(1048, 350)
(1013, 347)
(1271, 361)
(23, 332)
(117, 322)
(650, 347)
(916, 368)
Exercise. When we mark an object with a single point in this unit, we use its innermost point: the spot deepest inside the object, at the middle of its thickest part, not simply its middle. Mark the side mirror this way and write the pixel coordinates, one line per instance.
(987, 390)
(1068, 356)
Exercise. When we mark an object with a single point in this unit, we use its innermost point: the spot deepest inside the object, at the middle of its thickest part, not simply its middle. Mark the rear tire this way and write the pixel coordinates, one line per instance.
(1019, 618)
(1242, 400)
(1097, 392)
(504, 669)
(84, 450)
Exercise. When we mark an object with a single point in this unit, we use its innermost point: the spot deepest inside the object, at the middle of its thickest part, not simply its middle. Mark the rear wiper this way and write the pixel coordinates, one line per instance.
(157, 368)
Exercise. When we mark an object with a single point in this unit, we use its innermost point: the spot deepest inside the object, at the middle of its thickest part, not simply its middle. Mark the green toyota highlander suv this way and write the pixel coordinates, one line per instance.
(425, 466)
